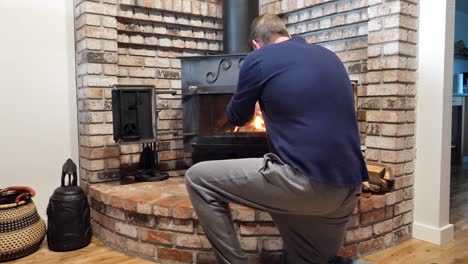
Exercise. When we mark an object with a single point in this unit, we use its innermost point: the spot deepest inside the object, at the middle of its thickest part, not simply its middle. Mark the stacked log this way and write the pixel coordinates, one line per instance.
(380, 179)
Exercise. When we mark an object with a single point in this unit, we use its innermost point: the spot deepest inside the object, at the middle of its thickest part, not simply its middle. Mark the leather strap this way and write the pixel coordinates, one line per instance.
(27, 192)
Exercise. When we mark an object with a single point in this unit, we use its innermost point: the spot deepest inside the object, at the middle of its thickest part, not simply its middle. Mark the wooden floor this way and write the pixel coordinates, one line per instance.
(96, 252)
(418, 252)
(409, 252)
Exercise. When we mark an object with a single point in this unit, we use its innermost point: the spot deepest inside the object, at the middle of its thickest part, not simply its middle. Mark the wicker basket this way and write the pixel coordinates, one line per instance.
(21, 229)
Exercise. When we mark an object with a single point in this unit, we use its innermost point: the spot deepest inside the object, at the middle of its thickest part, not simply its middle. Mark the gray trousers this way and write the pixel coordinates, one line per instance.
(310, 216)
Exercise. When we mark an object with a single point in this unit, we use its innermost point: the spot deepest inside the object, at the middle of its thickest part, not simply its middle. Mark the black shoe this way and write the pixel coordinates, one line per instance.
(340, 260)
(343, 260)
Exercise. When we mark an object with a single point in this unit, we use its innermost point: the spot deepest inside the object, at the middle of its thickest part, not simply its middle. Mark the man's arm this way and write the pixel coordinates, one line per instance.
(242, 106)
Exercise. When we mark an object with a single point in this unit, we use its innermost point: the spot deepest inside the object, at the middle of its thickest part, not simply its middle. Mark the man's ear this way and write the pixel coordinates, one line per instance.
(256, 44)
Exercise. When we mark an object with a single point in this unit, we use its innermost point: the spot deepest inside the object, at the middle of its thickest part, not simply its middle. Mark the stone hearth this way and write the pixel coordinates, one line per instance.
(156, 221)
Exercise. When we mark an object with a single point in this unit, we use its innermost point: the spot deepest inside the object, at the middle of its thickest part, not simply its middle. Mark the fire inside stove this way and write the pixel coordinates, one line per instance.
(218, 139)
(213, 118)
(256, 124)
(208, 84)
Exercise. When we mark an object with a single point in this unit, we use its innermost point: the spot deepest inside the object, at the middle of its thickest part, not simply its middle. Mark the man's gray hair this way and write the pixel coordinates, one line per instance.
(265, 27)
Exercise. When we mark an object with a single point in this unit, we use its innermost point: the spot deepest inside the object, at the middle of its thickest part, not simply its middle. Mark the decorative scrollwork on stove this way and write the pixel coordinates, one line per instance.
(224, 64)
(241, 62)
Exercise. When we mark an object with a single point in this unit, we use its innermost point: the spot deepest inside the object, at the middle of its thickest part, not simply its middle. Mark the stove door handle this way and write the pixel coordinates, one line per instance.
(219, 89)
(192, 90)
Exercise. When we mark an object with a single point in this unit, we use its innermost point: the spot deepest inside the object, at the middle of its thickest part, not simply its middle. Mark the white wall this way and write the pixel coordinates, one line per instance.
(38, 129)
(433, 122)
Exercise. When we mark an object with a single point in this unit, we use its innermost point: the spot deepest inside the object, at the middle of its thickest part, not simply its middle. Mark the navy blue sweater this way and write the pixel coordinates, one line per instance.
(307, 102)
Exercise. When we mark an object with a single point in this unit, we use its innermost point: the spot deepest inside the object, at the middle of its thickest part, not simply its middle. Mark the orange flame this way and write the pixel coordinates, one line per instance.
(258, 123)
(255, 125)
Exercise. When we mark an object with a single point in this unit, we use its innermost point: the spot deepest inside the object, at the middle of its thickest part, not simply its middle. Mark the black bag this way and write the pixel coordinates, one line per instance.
(68, 220)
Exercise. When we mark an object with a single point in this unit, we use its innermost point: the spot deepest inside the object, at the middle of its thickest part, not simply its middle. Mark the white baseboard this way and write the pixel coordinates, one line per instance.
(434, 235)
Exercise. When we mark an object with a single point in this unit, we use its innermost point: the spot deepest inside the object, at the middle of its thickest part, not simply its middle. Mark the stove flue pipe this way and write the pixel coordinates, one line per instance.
(237, 17)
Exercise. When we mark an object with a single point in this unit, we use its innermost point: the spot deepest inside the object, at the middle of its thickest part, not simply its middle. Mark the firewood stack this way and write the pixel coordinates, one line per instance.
(380, 179)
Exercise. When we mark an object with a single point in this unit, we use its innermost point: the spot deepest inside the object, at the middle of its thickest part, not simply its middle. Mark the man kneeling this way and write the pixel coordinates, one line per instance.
(311, 180)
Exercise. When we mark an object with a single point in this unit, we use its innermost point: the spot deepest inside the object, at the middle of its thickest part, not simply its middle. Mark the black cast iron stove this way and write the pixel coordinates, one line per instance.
(208, 83)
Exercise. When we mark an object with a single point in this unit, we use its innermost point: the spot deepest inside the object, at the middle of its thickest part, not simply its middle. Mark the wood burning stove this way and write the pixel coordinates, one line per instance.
(208, 83)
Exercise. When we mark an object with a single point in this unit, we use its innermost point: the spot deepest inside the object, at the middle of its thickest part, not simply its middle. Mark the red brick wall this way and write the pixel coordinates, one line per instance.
(97, 70)
(136, 42)
(151, 35)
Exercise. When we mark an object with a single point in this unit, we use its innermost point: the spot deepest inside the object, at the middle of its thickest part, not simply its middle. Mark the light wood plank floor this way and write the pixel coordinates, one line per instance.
(409, 252)
(96, 252)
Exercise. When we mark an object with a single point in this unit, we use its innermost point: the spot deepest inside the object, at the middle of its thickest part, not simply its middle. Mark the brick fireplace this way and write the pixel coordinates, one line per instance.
(138, 42)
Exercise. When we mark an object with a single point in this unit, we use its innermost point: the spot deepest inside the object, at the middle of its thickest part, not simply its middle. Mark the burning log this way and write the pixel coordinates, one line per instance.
(380, 178)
